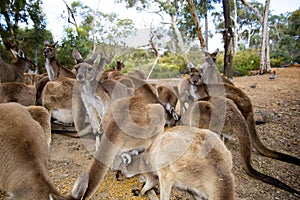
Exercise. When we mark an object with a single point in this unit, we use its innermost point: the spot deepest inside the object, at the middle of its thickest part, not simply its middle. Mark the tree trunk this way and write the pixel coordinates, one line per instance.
(197, 24)
(250, 34)
(178, 35)
(265, 54)
(155, 51)
(206, 30)
(235, 28)
(228, 41)
(205, 24)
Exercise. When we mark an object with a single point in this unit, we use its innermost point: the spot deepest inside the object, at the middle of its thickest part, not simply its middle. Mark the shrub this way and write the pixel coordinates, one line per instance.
(243, 61)
(276, 62)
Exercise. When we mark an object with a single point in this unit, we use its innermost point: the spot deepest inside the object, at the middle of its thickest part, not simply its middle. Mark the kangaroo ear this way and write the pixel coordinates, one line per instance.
(126, 158)
(80, 186)
(216, 51)
(55, 44)
(191, 66)
(46, 43)
(93, 57)
(77, 56)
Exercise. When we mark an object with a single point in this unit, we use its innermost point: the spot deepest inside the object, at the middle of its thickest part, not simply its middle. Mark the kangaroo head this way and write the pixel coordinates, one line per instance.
(196, 77)
(22, 59)
(49, 50)
(85, 72)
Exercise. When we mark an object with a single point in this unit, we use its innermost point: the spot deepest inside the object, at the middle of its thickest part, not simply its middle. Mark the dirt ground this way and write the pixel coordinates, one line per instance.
(275, 101)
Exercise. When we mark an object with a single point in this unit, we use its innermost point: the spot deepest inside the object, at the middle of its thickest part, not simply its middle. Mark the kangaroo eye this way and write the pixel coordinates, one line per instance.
(90, 69)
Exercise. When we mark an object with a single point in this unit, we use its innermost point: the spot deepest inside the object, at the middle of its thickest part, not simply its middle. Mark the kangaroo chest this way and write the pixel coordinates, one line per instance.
(193, 92)
(94, 102)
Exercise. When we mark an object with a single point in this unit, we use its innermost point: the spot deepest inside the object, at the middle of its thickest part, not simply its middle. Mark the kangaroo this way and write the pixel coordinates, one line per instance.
(187, 86)
(168, 98)
(202, 155)
(244, 104)
(24, 162)
(17, 92)
(130, 123)
(15, 72)
(221, 115)
(207, 73)
(112, 73)
(57, 98)
(97, 95)
(40, 82)
(53, 67)
(209, 68)
(41, 115)
(59, 95)
(137, 73)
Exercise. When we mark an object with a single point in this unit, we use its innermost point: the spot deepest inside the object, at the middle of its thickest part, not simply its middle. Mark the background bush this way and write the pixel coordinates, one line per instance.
(243, 62)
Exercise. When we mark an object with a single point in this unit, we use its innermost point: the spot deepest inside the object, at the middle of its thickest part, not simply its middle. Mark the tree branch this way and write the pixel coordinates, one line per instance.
(197, 23)
(70, 12)
(260, 17)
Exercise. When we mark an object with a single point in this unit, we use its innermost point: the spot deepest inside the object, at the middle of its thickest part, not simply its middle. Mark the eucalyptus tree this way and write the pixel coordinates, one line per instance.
(90, 30)
(110, 33)
(13, 14)
(170, 12)
(294, 32)
(203, 8)
(263, 18)
(228, 36)
(78, 35)
(246, 24)
(284, 36)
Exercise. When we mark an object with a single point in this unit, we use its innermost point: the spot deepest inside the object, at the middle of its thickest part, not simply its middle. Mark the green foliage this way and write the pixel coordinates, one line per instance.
(172, 61)
(13, 13)
(164, 71)
(286, 50)
(294, 23)
(73, 40)
(168, 66)
(294, 31)
(31, 41)
(243, 61)
(138, 58)
(276, 62)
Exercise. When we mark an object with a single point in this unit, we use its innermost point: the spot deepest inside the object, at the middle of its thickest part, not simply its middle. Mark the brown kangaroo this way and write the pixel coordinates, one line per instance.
(203, 155)
(221, 115)
(130, 123)
(53, 67)
(61, 94)
(243, 103)
(17, 92)
(97, 95)
(24, 138)
(15, 72)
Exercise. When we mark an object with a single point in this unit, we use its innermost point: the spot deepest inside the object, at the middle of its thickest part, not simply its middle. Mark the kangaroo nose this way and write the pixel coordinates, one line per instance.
(80, 77)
